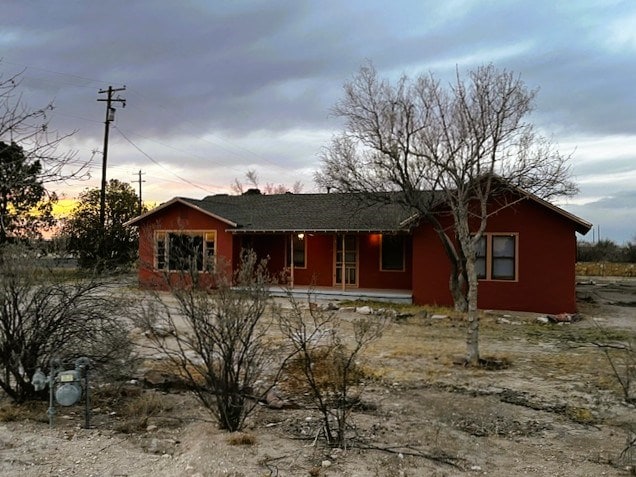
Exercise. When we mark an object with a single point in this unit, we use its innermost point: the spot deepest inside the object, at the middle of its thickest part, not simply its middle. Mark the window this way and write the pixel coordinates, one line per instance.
(392, 253)
(185, 250)
(503, 257)
(209, 248)
(160, 251)
(497, 257)
(480, 262)
(299, 251)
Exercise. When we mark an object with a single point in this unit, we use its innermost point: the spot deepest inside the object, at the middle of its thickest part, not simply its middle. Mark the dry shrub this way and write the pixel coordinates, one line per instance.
(148, 404)
(241, 439)
(135, 412)
(494, 363)
(28, 411)
(325, 364)
(176, 376)
(217, 340)
(605, 269)
(581, 415)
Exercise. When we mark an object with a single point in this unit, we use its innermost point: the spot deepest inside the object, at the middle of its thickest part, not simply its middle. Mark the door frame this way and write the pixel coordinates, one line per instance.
(344, 266)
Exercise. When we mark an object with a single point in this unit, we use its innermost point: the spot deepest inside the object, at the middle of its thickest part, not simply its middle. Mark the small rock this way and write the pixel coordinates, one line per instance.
(159, 331)
(503, 321)
(542, 319)
(274, 400)
(326, 463)
(151, 428)
(364, 310)
(439, 317)
(347, 309)
(560, 318)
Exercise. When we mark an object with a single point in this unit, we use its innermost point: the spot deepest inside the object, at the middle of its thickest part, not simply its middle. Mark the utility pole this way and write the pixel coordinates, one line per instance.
(140, 181)
(110, 116)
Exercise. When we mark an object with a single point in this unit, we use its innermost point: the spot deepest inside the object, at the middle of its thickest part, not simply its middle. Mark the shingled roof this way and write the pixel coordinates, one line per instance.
(303, 212)
(258, 213)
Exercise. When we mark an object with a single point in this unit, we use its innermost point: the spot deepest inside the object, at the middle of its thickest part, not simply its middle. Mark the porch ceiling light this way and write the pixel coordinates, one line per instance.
(301, 236)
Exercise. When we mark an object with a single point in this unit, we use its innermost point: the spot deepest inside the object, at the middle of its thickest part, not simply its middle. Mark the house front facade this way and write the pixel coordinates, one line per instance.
(526, 258)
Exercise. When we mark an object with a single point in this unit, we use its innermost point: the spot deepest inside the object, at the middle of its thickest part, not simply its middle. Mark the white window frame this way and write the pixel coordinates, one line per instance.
(208, 252)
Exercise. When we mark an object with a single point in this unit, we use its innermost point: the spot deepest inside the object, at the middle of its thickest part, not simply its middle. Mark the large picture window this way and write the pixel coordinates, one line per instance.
(497, 257)
(185, 250)
(392, 253)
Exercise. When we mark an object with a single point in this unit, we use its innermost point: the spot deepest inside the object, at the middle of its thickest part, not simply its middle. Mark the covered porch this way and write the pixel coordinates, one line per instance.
(324, 293)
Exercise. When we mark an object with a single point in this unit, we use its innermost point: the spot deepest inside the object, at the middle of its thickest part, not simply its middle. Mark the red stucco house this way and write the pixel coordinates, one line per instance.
(330, 242)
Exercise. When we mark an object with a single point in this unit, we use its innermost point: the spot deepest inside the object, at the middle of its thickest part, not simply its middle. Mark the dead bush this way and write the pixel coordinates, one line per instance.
(326, 366)
(216, 338)
(241, 439)
(28, 411)
(136, 411)
(328, 363)
(44, 316)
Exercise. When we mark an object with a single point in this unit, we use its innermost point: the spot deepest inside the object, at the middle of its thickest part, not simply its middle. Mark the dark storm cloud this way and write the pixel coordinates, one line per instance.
(226, 86)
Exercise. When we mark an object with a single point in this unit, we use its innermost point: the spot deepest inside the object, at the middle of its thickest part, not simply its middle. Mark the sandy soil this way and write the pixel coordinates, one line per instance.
(556, 411)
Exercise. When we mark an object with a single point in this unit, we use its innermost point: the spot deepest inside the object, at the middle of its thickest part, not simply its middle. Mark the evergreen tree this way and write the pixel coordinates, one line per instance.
(114, 245)
(25, 205)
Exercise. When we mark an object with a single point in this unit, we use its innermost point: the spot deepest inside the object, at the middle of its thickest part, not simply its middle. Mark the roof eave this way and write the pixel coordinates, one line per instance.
(312, 230)
(182, 201)
(580, 225)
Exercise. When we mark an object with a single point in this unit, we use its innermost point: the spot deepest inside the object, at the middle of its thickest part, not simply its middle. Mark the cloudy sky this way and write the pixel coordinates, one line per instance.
(216, 88)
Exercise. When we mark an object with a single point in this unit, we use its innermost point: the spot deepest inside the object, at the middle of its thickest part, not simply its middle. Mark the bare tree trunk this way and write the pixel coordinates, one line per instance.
(457, 287)
(457, 282)
(472, 335)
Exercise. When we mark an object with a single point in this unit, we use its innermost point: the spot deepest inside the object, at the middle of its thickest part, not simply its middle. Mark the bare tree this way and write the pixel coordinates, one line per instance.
(44, 316)
(329, 366)
(216, 337)
(30, 128)
(28, 131)
(468, 144)
(252, 180)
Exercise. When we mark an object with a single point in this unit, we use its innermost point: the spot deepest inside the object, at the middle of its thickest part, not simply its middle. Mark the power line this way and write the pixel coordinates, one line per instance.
(231, 148)
(151, 159)
(70, 75)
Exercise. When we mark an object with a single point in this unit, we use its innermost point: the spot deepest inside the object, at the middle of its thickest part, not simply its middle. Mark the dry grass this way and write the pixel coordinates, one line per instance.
(605, 269)
(28, 411)
(241, 439)
(325, 370)
(136, 411)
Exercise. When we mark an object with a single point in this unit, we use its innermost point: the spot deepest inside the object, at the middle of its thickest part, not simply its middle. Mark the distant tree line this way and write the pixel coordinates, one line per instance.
(606, 251)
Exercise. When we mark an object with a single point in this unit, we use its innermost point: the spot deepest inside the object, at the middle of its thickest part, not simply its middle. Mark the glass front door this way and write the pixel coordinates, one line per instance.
(346, 264)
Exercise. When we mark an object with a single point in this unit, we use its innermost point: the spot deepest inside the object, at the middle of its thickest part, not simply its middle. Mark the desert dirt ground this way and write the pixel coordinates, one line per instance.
(556, 410)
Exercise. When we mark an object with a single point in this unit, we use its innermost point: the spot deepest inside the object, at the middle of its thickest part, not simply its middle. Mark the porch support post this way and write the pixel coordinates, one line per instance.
(344, 265)
(291, 260)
